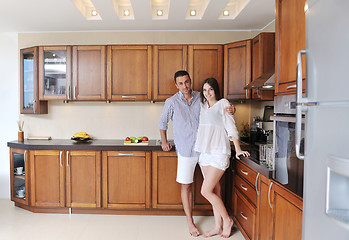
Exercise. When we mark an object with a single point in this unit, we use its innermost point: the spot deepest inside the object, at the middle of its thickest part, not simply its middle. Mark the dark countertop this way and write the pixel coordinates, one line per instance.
(118, 145)
(96, 145)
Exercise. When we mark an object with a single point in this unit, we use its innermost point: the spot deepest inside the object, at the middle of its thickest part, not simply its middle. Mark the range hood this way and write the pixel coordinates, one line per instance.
(265, 82)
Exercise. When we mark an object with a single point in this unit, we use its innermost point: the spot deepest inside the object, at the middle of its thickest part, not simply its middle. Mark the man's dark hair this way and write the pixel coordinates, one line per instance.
(214, 84)
(181, 73)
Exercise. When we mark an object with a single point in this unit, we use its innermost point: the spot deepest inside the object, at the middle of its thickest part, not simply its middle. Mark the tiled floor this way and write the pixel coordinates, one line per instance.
(16, 223)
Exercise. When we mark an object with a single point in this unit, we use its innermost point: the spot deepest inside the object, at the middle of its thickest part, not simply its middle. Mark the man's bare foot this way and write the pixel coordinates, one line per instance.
(227, 228)
(213, 232)
(193, 231)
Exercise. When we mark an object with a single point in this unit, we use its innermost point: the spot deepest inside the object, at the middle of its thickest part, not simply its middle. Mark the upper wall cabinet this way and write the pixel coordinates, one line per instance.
(129, 73)
(168, 59)
(205, 61)
(237, 69)
(55, 73)
(290, 38)
(29, 94)
(263, 61)
(89, 73)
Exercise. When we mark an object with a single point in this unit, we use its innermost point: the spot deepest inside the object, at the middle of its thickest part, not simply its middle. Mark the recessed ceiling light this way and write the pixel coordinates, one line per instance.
(226, 13)
(192, 12)
(94, 13)
(127, 12)
(159, 12)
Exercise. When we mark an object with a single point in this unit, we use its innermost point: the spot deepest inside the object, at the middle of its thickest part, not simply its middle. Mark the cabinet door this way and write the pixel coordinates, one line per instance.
(47, 178)
(129, 73)
(19, 172)
(205, 61)
(168, 59)
(264, 213)
(126, 180)
(263, 61)
(29, 96)
(89, 73)
(166, 191)
(290, 38)
(83, 179)
(54, 72)
(237, 69)
(287, 214)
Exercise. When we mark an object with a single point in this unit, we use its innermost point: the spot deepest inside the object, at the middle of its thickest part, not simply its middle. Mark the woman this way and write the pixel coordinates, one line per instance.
(215, 131)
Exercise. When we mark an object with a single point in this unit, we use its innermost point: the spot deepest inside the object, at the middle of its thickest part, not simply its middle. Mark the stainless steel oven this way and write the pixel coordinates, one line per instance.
(287, 168)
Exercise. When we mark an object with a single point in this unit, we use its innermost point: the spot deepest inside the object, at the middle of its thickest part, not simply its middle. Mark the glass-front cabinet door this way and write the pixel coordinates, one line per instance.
(19, 175)
(29, 83)
(54, 72)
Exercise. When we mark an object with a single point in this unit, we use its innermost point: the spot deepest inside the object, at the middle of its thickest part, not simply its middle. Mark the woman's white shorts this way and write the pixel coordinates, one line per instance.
(220, 161)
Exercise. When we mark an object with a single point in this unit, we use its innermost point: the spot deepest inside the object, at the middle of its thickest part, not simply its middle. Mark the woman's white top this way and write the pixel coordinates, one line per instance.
(215, 129)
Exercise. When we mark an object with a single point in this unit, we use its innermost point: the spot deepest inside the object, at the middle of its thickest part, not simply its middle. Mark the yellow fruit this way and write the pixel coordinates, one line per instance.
(81, 135)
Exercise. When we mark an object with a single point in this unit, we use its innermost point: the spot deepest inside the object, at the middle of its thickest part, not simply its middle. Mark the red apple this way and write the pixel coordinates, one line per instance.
(127, 139)
(145, 138)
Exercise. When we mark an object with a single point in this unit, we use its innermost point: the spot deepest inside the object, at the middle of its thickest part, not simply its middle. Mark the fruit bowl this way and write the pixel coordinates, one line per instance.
(81, 140)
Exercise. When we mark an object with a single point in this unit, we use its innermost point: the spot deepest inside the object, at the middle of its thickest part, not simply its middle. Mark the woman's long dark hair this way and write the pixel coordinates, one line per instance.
(214, 84)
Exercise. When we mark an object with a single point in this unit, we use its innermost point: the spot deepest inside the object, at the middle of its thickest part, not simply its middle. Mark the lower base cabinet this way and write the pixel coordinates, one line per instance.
(126, 180)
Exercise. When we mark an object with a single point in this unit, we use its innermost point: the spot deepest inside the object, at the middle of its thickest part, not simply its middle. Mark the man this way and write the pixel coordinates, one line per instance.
(183, 108)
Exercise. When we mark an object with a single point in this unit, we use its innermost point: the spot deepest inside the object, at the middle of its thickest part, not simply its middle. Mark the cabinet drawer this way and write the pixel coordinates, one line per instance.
(246, 172)
(246, 189)
(245, 215)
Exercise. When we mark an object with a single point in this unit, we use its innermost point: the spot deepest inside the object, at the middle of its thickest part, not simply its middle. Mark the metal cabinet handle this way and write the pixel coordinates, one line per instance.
(25, 157)
(243, 216)
(271, 184)
(242, 186)
(129, 97)
(67, 158)
(246, 94)
(60, 158)
(256, 184)
(243, 172)
(291, 86)
(125, 154)
(299, 108)
(34, 106)
(75, 92)
(68, 93)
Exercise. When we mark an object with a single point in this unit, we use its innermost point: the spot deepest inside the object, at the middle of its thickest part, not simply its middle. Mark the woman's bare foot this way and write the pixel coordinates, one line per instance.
(227, 228)
(193, 231)
(213, 232)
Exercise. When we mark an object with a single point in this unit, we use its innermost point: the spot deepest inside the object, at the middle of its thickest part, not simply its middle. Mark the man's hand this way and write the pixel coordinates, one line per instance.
(231, 110)
(166, 146)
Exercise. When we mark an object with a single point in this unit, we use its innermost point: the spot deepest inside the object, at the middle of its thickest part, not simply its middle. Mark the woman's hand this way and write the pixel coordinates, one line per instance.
(243, 153)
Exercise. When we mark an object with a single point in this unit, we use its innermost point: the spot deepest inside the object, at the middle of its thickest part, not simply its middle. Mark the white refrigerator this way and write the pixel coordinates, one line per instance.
(326, 109)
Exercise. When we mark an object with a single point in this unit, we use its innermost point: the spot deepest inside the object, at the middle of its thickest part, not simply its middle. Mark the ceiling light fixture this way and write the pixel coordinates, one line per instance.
(192, 12)
(94, 13)
(159, 12)
(226, 13)
(127, 12)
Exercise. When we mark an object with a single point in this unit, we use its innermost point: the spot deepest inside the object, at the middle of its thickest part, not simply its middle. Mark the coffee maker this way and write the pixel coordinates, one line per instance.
(262, 130)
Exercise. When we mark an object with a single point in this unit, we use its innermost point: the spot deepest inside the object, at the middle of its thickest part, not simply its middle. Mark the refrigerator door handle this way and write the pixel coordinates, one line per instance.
(300, 102)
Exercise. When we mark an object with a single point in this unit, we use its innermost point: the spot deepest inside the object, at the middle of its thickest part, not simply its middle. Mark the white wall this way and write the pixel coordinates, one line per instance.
(8, 104)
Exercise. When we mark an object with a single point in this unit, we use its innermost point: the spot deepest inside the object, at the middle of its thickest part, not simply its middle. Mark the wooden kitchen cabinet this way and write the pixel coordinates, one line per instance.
(166, 191)
(129, 73)
(265, 213)
(83, 179)
(55, 72)
(263, 61)
(205, 61)
(47, 178)
(287, 214)
(29, 94)
(237, 70)
(167, 59)
(126, 180)
(89, 73)
(290, 38)
(19, 181)
(245, 200)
